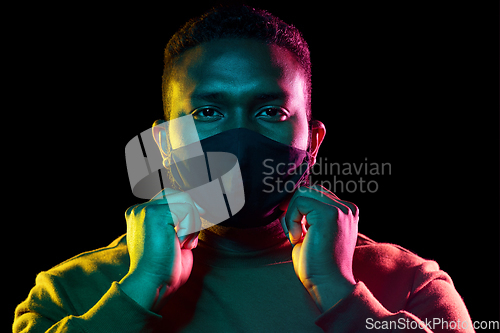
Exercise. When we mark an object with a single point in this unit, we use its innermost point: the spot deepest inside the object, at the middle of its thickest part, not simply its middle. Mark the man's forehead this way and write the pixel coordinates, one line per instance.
(238, 64)
(246, 51)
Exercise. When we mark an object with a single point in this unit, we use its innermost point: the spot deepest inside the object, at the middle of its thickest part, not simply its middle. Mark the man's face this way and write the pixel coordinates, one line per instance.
(234, 83)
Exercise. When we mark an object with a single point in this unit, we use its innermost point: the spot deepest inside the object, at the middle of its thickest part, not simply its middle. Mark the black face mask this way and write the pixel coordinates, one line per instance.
(270, 171)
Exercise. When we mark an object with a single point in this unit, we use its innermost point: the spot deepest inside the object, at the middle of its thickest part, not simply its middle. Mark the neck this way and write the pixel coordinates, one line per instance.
(243, 240)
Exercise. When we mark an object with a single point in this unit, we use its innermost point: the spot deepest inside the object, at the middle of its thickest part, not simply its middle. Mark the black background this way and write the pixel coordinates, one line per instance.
(410, 84)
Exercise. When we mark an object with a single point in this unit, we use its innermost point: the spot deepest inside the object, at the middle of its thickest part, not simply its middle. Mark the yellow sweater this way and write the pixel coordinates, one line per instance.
(255, 291)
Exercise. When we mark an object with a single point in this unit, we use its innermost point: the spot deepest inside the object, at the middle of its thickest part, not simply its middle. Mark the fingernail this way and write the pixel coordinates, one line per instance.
(194, 243)
(182, 240)
(201, 211)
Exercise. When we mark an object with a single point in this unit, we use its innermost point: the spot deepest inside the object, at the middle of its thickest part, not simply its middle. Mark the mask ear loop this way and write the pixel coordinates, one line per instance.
(304, 179)
(167, 159)
(311, 161)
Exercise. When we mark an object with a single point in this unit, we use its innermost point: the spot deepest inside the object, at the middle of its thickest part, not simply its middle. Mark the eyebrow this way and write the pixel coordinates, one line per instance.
(271, 96)
(221, 96)
(208, 96)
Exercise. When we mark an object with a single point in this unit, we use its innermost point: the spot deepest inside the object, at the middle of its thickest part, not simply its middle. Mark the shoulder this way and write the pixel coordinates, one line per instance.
(392, 273)
(387, 256)
(106, 261)
(87, 276)
(75, 285)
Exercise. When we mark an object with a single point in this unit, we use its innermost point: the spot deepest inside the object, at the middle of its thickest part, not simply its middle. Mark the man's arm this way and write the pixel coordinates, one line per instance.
(323, 231)
(433, 305)
(160, 262)
(48, 308)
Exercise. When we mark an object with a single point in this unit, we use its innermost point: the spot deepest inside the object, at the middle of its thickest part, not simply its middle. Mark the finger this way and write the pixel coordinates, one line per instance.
(184, 217)
(354, 209)
(180, 215)
(293, 223)
(185, 241)
(177, 209)
(171, 194)
(349, 207)
(293, 228)
(129, 211)
(192, 241)
(285, 228)
(298, 209)
(191, 224)
(324, 195)
(302, 206)
(177, 197)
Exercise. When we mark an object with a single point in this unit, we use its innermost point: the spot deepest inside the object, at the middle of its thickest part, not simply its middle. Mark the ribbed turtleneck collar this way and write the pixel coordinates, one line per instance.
(230, 247)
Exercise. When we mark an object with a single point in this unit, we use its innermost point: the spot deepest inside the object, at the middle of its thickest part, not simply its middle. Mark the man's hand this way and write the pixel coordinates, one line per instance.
(160, 240)
(323, 230)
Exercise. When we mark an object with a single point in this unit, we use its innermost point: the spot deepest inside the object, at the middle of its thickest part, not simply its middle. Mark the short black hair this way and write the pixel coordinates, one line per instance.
(236, 21)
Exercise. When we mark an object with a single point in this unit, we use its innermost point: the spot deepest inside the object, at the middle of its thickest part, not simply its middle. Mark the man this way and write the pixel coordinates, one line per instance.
(286, 262)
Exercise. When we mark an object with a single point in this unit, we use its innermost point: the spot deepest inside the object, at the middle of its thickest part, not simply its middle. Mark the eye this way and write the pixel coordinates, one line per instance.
(273, 113)
(207, 114)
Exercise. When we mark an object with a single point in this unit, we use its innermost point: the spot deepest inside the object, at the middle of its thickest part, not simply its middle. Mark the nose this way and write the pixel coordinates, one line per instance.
(236, 116)
(241, 117)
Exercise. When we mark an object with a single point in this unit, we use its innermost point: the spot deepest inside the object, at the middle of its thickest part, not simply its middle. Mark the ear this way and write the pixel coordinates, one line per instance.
(160, 137)
(318, 132)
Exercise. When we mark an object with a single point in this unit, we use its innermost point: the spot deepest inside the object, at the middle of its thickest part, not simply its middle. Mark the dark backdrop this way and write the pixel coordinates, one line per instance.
(413, 85)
